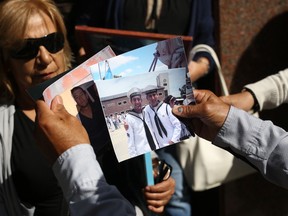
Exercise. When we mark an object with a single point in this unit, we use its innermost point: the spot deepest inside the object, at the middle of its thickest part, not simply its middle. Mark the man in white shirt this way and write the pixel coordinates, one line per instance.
(166, 126)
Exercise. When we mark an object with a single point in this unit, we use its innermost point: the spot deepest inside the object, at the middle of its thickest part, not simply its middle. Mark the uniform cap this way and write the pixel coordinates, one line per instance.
(150, 89)
(133, 92)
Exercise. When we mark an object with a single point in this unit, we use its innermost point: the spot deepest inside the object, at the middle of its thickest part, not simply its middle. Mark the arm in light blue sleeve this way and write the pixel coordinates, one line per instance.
(84, 186)
(263, 144)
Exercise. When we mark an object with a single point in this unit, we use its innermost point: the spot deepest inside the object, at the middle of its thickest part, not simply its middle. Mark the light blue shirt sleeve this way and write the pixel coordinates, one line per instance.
(263, 144)
(84, 186)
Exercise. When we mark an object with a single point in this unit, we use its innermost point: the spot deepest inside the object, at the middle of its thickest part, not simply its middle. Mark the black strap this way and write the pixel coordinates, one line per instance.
(149, 136)
(147, 132)
(159, 125)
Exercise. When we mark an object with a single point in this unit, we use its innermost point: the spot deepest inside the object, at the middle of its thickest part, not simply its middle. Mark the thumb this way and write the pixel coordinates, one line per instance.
(58, 107)
(57, 100)
(41, 109)
(189, 111)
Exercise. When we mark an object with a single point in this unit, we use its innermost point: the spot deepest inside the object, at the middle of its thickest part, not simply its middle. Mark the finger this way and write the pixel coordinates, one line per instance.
(160, 191)
(202, 96)
(158, 196)
(157, 210)
(55, 102)
(190, 111)
(58, 108)
(158, 203)
(162, 186)
(42, 110)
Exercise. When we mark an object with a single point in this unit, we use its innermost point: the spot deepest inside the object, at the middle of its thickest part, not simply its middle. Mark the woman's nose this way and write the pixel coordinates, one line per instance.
(44, 56)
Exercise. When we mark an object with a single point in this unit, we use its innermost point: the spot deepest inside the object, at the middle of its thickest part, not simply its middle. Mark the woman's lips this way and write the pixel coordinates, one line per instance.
(45, 76)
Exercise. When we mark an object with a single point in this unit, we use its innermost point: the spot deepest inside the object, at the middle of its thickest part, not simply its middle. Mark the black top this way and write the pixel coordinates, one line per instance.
(174, 16)
(35, 182)
(96, 127)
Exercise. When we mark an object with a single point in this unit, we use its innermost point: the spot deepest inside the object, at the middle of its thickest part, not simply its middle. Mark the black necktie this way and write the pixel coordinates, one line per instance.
(149, 136)
(159, 125)
(147, 131)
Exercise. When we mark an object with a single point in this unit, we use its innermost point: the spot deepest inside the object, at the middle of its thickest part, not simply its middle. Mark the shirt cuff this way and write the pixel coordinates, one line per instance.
(69, 167)
(239, 132)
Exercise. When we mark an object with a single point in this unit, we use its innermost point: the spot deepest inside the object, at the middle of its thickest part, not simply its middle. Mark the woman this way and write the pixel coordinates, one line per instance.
(33, 48)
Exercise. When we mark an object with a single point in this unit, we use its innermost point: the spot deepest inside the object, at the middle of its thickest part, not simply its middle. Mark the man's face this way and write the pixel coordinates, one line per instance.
(80, 97)
(136, 101)
(152, 98)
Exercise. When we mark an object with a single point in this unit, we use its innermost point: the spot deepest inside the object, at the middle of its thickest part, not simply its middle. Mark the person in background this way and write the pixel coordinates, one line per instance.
(193, 18)
(170, 100)
(91, 116)
(65, 144)
(259, 143)
(267, 93)
(34, 48)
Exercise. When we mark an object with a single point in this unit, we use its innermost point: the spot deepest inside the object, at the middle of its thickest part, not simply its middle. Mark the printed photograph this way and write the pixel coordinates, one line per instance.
(138, 90)
(127, 100)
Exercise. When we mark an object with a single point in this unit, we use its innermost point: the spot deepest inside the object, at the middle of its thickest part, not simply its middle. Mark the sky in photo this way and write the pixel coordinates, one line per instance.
(133, 69)
(131, 63)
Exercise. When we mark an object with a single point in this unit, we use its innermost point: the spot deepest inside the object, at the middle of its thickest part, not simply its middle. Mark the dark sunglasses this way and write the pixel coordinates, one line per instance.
(53, 42)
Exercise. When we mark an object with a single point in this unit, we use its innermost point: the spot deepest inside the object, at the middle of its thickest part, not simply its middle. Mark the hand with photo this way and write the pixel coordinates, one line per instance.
(207, 116)
(56, 130)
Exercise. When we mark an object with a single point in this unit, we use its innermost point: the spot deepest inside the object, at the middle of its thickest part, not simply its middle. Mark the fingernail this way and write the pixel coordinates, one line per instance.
(59, 99)
(180, 109)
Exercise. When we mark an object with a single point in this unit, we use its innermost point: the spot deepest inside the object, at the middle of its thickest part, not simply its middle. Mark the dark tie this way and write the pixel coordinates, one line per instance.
(149, 136)
(159, 125)
(147, 131)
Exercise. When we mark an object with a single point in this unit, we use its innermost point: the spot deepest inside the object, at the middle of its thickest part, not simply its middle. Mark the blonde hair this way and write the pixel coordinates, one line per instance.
(14, 16)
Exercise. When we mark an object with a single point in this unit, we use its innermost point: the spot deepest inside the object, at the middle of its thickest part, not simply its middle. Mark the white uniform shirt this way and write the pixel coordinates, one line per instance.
(137, 139)
(169, 121)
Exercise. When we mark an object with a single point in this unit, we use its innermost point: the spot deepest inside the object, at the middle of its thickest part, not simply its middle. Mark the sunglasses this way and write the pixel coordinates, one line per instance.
(162, 170)
(53, 42)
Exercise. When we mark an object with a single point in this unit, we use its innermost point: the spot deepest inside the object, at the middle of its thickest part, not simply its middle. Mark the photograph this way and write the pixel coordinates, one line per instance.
(100, 94)
(138, 90)
(139, 111)
(90, 113)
